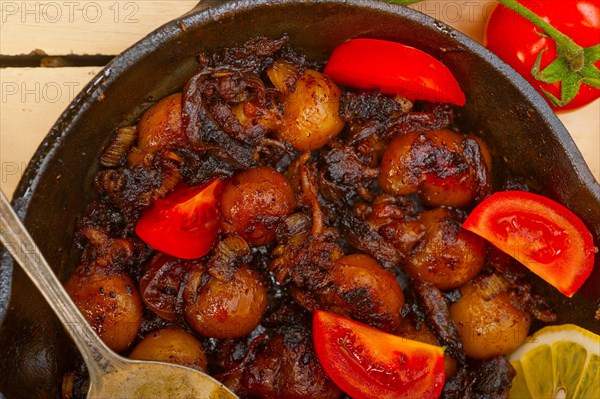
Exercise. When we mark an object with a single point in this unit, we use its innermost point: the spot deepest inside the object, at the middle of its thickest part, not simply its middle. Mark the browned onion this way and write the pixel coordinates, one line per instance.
(121, 141)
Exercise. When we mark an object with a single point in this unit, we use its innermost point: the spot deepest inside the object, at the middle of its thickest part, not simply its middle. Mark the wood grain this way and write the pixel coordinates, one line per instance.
(33, 98)
(81, 26)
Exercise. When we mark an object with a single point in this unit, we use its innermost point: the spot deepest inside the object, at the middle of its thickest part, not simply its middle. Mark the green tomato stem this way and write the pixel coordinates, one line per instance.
(573, 66)
(572, 52)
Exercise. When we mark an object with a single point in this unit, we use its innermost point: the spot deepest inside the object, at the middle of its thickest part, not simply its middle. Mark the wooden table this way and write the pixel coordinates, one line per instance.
(32, 98)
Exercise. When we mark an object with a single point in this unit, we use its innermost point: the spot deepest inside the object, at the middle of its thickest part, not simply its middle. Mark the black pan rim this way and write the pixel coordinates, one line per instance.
(212, 12)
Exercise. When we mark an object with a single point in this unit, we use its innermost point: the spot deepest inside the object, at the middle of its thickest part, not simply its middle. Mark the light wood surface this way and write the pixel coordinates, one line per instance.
(82, 27)
(31, 99)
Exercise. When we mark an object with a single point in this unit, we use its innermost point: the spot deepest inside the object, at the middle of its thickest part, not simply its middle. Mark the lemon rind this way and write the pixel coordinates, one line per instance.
(561, 333)
(551, 334)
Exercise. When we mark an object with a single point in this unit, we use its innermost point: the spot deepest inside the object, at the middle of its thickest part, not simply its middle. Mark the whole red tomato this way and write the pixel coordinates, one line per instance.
(518, 42)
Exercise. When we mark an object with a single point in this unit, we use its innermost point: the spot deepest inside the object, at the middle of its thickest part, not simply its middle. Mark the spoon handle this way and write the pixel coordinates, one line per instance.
(98, 357)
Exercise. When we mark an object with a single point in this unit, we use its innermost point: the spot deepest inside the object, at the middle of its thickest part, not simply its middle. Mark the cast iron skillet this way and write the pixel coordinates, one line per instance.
(528, 140)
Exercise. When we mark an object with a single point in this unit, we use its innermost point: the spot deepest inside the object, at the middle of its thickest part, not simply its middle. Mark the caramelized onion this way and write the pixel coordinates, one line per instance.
(121, 141)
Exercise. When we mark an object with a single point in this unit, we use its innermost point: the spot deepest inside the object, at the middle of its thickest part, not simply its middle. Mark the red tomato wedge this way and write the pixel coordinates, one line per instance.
(185, 223)
(543, 235)
(393, 68)
(370, 364)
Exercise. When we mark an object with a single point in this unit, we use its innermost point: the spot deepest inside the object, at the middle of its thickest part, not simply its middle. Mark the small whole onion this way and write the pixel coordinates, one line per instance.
(310, 112)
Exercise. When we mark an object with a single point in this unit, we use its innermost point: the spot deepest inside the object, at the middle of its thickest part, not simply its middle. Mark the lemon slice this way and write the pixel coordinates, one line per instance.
(561, 362)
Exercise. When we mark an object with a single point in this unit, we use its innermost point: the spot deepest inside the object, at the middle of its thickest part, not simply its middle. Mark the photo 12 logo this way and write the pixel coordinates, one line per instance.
(456, 11)
(22, 250)
(53, 12)
(9, 169)
(38, 92)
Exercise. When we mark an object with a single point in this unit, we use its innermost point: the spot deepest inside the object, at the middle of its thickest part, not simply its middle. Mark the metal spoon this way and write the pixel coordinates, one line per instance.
(111, 375)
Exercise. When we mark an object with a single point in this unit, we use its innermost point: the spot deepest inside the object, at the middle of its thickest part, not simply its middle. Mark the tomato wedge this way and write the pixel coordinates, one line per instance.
(543, 235)
(370, 364)
(393, 68)
(184, 224)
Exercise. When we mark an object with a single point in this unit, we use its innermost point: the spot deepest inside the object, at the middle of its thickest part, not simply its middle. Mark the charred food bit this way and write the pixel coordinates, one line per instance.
(109, 302)
(436, 248)
(446, 168)
(225, 309)
(254, 202)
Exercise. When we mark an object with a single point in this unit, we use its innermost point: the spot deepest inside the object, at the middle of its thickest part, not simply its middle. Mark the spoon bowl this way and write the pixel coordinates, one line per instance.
(111, 375)
(150, 380)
